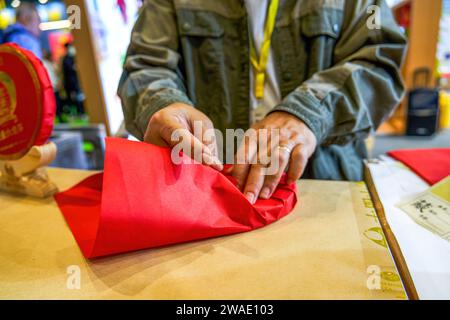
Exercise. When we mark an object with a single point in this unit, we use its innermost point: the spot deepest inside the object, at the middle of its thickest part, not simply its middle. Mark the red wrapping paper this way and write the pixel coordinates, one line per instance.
(432, 165)
(143, 200)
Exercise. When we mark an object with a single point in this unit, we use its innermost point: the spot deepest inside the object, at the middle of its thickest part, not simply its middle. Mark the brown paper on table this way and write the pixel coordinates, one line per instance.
(330, 247)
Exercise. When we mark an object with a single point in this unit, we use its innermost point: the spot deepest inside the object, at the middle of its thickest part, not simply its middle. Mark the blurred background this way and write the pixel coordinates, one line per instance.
(85, 65)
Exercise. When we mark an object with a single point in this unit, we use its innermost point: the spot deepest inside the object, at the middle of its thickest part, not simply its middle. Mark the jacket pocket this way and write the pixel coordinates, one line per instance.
(202, 42)
(201, 35)
(195, 23)
(320, 30)
(324, 22)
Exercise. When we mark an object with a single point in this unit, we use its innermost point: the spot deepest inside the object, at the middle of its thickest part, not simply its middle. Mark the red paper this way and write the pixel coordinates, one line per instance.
(433, 165)
(143, 200)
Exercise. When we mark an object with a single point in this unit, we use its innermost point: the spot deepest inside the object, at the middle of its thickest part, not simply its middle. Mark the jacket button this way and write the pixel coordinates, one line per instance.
(336, 28)
(287, 76)
(186, 26)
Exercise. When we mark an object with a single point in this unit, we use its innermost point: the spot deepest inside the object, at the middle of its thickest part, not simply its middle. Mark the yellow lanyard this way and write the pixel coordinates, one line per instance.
(260, 65)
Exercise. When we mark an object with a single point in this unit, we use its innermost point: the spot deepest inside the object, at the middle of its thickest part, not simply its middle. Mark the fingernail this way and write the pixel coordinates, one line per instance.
(218, 163)
(250, 197)
(212, 162)
(265, 193)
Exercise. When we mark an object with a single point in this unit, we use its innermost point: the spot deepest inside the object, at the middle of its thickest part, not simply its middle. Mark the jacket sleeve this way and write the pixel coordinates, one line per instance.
(353, 97)
(151, 79)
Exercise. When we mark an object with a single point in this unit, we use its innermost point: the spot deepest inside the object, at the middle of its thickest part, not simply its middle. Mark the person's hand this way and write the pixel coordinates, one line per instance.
(296, 145)
(175, 124)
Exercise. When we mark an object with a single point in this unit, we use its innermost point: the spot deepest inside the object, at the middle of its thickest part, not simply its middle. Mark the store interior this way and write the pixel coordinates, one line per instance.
(345, 205)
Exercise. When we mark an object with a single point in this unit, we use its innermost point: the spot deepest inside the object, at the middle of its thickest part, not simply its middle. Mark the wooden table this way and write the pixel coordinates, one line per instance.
(330, 247)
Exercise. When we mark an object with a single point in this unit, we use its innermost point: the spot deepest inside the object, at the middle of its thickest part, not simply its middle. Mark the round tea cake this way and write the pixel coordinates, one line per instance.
(27, 102)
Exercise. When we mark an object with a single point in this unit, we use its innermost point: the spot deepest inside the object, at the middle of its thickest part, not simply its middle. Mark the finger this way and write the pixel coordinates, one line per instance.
(255, 181)
(271, 181)
(245, 156)
(174, 134)
(258, 171)
(297, 165)
(154, 134)
(204, 131)
(197, 150)
(212, 161)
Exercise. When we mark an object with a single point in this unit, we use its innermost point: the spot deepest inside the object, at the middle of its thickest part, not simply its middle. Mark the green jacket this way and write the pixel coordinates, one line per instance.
(336, 74)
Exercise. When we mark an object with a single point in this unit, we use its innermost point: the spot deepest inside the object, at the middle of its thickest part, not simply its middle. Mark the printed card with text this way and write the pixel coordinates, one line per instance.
(431, 209)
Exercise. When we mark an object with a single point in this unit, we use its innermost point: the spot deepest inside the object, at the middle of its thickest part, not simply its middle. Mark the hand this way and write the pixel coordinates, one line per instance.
(296, 145)
(180, 118)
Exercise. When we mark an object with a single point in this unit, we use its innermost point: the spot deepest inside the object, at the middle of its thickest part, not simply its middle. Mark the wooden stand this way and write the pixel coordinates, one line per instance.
(27, 175)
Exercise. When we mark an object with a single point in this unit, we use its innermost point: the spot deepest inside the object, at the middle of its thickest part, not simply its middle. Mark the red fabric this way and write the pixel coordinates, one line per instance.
(143, 200)
(433, 165)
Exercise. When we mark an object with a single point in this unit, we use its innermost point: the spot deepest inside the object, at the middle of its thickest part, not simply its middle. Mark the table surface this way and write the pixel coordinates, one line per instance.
(385, 143)
(426, 254)
(329, 247)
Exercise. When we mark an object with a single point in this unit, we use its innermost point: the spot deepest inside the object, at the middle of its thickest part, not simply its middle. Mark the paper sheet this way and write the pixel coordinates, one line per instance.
(431, 209)
(432, 165)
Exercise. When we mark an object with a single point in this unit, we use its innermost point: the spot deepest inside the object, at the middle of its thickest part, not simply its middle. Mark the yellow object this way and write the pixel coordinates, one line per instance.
(442, 189)
(6, 18)
(260, 64)
(444, 102)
